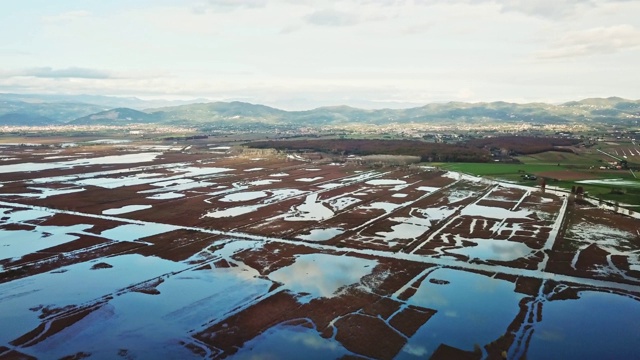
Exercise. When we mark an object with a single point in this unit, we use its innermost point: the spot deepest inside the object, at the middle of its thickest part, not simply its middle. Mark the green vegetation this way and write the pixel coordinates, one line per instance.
(551, 161)
(496, 169)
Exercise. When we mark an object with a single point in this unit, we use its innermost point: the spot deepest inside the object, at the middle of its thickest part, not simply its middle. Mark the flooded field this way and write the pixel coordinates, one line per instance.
(116, 250)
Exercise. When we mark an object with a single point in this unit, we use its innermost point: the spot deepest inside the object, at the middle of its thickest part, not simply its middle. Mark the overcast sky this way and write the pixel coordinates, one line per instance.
(300, 53)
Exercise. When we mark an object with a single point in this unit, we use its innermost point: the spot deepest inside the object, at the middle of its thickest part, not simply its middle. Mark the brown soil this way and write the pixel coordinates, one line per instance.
(368, 336)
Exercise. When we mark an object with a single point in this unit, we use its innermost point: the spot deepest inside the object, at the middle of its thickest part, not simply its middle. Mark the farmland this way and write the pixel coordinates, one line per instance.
(202, 249)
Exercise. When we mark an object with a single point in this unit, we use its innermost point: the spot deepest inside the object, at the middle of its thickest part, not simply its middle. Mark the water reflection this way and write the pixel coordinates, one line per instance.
(598, 325)
(322, 275)
(491, 249)
(321, 234)
(291, 342)
(471, 309)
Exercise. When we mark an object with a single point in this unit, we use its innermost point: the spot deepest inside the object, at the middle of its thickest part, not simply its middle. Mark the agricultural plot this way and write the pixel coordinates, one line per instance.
(119, 250)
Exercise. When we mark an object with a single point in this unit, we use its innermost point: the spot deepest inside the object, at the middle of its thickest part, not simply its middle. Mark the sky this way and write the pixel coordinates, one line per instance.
(301, 54)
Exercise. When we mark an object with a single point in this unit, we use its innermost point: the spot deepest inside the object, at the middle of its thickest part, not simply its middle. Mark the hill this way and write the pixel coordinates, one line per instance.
(119, 116)
(18, 119)
(594, 111)
(57, 112)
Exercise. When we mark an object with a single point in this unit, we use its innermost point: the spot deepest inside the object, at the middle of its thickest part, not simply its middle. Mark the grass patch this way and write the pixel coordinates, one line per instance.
(498, 169)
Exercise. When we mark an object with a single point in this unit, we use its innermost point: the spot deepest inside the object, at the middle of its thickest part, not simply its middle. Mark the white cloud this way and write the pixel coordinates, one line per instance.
(595, 41)
(227, 5)
(329, 17)
(417, 28)
(66, 17)
(71, 72)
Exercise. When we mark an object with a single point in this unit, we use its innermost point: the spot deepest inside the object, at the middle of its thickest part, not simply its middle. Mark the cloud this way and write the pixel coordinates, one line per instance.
(600, 40)
(549, 9)
(289, 29)
(417, 28)
(227, 5)
(330, 17)
(66, 17)
(69, 73)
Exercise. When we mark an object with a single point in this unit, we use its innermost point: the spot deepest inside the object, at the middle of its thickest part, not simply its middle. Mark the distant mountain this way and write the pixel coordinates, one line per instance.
(17, 119)
(119, 116)
(240, 113)
(58, 112)
(105, 102)
(245, 115)
(220, 111)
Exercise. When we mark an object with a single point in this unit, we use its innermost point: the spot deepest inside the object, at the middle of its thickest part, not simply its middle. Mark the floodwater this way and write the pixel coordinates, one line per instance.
(161, 320)
(234, 211)
(126, 209)
(291, 342)
(385, 182)
(491, 249)
(587, 328)
(166, 196)
(471, 309)
(321, 234)
(75, 284)
(103, 160)
(244, 196)
(18, 243)
(133, 232)
(310, 210)
(322, 275)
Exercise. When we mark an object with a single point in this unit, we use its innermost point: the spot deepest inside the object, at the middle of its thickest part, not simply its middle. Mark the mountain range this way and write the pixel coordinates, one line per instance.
(39, 110)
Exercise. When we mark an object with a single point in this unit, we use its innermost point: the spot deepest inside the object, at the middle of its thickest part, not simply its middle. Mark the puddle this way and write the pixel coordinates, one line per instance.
(109, 141)
(104, 160)
(254, 169)
(427, 188)
(18, 243)
(244, 196)
(264, 182)
(385, 182)
(166, 196)
(284, 342)
(122, 181)
(322, 275)
(459, 195)
(387, 207)
(342, 203)
(399, 195)
(310, 179)
(598, 325)
(133, 232)
(279, 175)
(17, 216)
(471, 309)
(310, 210)
(494, 212)
(125, 209)
(43, 193)
(612, 182)
(408, 228)
(234, 211)
(330, 186)
(491, 249)
(321, 234)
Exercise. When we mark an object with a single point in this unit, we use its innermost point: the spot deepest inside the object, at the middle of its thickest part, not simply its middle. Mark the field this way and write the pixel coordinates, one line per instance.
(565, 170)
(202, 249)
